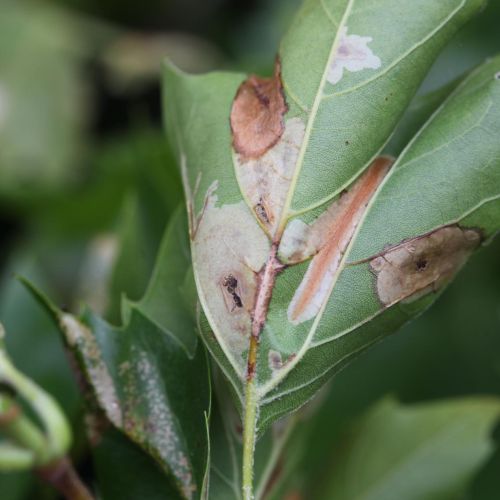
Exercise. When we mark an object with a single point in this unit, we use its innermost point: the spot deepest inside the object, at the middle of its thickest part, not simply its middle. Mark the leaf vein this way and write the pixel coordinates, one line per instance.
(400, 58)
(329, 15)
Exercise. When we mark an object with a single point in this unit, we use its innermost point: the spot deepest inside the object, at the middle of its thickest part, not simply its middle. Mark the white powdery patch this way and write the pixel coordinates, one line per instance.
(352, 54)
(161, 423)
(4, 104)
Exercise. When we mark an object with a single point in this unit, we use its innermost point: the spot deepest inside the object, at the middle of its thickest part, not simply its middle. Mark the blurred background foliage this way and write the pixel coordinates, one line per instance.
(87, 186)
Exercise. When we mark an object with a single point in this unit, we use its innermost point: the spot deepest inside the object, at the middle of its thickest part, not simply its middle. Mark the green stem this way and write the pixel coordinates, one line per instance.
(249, 438)
(30, 451)
(20, 429)
(265, 482)
(267, 279)
(31, 447)
(57, 435)
(13, 458)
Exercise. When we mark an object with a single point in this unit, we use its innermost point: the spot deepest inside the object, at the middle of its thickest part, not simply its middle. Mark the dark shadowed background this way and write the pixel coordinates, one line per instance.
(87, 184)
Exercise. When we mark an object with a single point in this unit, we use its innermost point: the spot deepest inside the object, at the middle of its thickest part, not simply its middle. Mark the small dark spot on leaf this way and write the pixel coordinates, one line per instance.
(421, 264)
(237, 300)
(230, 283)
(347, 143)
(497, 76)
(261, 212)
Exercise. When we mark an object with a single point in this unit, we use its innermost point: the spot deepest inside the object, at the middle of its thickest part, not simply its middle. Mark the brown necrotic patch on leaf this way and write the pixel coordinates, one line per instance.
(422, 264)
(257, 115)
(329, 236)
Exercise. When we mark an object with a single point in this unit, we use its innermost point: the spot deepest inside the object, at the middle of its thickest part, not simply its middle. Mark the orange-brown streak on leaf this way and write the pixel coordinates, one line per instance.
(316, 283)
(257, 115)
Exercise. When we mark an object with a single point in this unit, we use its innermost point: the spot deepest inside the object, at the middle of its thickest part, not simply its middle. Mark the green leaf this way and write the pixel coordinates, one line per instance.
(429, 451)
(167, 301)
(148, 388)
(156, 196)
(125, 472)
(226, 240)
(417, 113)
(307, 246)
(150, 377)
(448, 174)
(402, 51)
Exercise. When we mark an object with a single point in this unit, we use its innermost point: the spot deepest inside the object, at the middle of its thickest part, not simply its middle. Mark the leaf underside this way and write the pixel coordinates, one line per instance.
(149, 377)
(299, 236)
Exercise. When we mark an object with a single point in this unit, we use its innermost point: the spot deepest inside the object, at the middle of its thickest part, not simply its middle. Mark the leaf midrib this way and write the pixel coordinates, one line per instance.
(285, 213)
(273, 383)
(288, 213)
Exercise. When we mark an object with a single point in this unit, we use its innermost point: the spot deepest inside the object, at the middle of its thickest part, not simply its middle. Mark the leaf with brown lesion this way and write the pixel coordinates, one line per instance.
(291, 145)
(330, 235)
(423, 264)
(257, 115)
(229, 250)
(301, 241)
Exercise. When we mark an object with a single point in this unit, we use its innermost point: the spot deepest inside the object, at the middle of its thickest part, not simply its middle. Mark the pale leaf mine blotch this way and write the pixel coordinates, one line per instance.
(423, 264)
(265, 181)
(352, 54)
(229, 249)
(266, 147)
